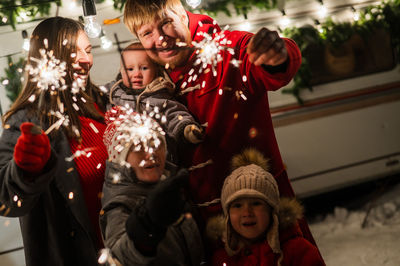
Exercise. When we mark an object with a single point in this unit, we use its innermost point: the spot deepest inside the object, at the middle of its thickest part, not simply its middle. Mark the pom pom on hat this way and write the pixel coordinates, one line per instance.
(250, 177)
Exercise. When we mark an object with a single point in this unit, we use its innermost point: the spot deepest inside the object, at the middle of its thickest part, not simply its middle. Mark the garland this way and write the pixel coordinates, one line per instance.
(11, 9)
(14, 74)
(242, 7)
(384, 16)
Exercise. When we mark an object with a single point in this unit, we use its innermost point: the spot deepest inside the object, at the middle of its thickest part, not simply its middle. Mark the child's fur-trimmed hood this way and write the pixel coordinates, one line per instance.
(290, 210)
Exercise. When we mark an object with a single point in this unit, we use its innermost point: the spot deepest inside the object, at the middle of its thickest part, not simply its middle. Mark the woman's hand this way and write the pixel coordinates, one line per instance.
(32, 150)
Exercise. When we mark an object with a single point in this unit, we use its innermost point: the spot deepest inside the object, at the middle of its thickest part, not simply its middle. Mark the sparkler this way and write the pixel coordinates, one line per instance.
(209, 50)
(48, 73)
(137, 129)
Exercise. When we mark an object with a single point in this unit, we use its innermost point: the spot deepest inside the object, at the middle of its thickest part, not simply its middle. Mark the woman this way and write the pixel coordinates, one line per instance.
(53, 181)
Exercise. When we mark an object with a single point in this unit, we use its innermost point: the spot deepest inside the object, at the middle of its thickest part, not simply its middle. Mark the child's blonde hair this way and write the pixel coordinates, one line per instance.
(140, 12)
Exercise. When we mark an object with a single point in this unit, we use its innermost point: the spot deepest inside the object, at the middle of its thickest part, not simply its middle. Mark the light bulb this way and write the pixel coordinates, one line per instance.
(92, 28)
(26, 45)
(245, 26)
(322, 11)
(105, 42)
(193, 3)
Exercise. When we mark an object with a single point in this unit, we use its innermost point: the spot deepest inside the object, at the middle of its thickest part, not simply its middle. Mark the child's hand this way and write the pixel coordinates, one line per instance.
(32, 150)
(194, 134)
(148, 223)
(165, 203)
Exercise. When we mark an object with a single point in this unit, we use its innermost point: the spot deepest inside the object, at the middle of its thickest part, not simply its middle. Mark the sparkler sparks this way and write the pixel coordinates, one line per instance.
(140, 130)
(49, 71)
(209, 50)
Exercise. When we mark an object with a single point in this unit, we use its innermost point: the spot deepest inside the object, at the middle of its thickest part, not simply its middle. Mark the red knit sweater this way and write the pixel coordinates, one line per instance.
(91, 167)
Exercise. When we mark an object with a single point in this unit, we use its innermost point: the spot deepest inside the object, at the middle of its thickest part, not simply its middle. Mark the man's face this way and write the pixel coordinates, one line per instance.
(163, 34)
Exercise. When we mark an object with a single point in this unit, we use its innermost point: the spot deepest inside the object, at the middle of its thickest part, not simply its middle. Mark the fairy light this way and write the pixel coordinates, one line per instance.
(72, 4)
(356, 15)
(22, 16)
(322, 10)
(193, 3)
(106, 43)
(25, 45)
(284, 20)
(245, 26)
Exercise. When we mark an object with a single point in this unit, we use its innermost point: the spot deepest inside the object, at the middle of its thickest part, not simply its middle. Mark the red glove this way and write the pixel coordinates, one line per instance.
(32, 150)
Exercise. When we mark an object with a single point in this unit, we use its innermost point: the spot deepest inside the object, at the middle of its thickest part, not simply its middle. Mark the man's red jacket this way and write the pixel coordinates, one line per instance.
(236, 111)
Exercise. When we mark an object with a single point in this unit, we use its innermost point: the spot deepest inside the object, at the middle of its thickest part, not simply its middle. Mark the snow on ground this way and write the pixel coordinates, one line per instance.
(343, 241)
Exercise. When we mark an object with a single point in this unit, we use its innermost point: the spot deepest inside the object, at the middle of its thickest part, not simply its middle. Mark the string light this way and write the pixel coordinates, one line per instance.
(92, 27)
(106, 43)
(193, 3)
(25, 45)
(245, 26)
(284, 21)
(322, 11)
(356, 15)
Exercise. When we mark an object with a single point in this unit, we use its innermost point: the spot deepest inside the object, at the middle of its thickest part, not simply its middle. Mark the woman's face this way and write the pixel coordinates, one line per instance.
(83, 58)
(250, 217)
(148, 167)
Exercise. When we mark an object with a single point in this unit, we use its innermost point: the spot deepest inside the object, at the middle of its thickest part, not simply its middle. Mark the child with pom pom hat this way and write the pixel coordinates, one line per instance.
(259, 227)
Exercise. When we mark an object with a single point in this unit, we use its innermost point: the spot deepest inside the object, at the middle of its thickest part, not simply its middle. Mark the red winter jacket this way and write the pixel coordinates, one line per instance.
(233, 123)
(297, 251)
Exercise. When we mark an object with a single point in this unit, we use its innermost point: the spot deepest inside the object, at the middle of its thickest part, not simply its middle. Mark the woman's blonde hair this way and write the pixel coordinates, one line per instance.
(61, 35)
(140, 12)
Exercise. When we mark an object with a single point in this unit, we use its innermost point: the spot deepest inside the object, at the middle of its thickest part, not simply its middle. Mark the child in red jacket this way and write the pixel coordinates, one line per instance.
(259, 227)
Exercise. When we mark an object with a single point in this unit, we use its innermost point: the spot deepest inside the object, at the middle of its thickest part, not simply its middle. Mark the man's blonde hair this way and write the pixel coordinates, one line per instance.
(140, 12)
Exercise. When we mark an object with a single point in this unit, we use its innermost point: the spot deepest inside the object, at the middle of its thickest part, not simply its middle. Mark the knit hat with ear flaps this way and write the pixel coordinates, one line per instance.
(126, 128)
(250, 179)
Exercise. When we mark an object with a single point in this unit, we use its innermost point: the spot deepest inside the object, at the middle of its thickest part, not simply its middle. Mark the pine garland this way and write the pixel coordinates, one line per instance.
(11, 9)
(242, 7)
(14, 74)
(383, 16)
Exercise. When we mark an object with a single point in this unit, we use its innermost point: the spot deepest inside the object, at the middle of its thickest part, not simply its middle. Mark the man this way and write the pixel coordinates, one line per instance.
(232, 101)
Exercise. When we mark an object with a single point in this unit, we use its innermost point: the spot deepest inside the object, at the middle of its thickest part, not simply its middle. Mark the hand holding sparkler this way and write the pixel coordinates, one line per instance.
(194, 134)
(267, 48)
(32, 150)
(147, 225)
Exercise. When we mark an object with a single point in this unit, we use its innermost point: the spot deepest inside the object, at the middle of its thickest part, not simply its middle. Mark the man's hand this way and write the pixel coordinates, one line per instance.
(267, 48)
